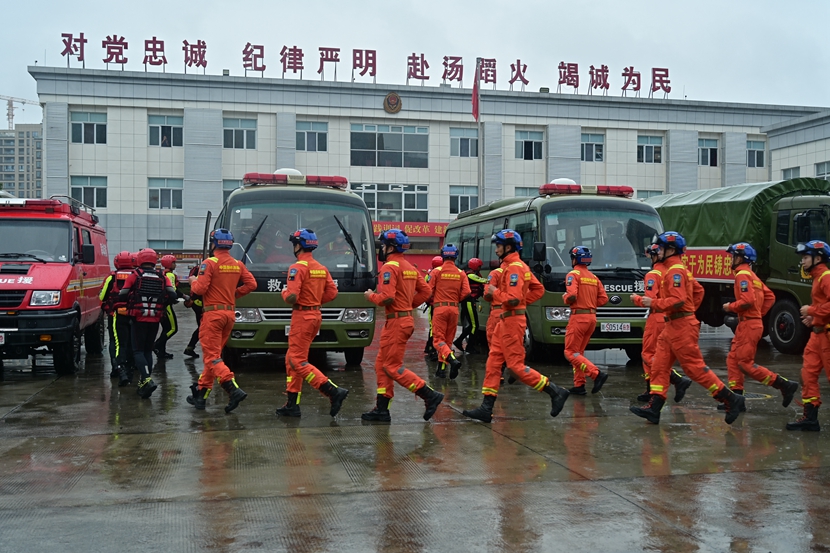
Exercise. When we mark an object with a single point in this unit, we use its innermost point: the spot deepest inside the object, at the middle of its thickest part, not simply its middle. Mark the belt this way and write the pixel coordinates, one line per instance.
(680, 315)
(306, 308)
(398, 314)
(819, 329)
(492, 307)
(749, 318)
(512, 313)
(220, 308)
(446, 304)
(584, 311)
(654, 311)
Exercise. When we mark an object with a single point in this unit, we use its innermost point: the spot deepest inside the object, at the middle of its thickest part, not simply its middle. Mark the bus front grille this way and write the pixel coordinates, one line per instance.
(283, 314)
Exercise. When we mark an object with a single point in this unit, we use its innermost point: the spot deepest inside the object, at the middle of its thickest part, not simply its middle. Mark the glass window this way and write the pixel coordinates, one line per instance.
(229, 186)
(463, 198)
(823, 170)
(312, 136)
(529, 145)
(91, 191)
(649, 149)
(463, 142)
(239, 134)
(782, 227)
(165, 193)
(645, 194)
(173, 245)
(166, 131)
(389, 146)
(88, 128)
(592, 147)
(754, 153)
(791, 173)
(707, 152)
(394, 202)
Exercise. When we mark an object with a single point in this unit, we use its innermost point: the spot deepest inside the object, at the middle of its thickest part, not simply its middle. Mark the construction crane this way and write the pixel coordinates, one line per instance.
(10, 110)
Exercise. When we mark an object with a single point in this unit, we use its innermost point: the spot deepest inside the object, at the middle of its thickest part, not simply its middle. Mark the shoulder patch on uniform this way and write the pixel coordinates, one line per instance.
(744, 286)
(514, 279)
(202, 268)
(677, 279)
(650, 284)
(570, 279)
(292, 273)
(386, 277)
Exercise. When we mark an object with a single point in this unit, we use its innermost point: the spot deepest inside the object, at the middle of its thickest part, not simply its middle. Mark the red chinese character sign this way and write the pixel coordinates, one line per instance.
(73, 47)
(632, 81)
(154, 53)
(599, 79)
(115, 47)
(488, 71)
(568, 76)
(292, 60)
(328, 55)
(253, 56)
(366, 61)
(453, 69)
(660, 81)
(416, 68)
(517, 73)
(195, 54)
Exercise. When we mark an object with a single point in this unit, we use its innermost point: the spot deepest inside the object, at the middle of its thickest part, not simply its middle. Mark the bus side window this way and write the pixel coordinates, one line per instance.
(467, 245)
(453, 237)
(486, 249)
(525, 225)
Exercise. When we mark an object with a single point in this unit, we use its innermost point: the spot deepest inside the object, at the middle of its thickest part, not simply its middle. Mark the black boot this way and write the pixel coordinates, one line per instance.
(722, 406)
(558, 397)
(336, 396)
(235, 395)
(123, 376)
(199, 397)
(441, 371)
(381, 411)
(787, 387)
(734, 402)
(146, 388)
(483, 412)
(578, 391)
(431, 398)
(291, 407)
(645, 396)
(190, 352)
(599, 381)
(455, 365)
(808, 421)
(650, 411)
(459, 344)
(681, 385)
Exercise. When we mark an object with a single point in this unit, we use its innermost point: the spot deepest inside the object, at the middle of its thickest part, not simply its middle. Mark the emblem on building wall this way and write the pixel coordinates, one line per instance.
(392, 103)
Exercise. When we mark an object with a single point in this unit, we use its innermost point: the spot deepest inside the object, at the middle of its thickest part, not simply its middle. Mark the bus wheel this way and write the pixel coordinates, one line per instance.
(634, 353)
(354, 356)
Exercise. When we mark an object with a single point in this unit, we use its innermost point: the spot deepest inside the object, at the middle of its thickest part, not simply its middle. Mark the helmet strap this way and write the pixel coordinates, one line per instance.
(736, 263)
(297, 249)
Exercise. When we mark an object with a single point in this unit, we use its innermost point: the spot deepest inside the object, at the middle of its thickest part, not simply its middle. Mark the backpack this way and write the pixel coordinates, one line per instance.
(146, 297)
(119, 277)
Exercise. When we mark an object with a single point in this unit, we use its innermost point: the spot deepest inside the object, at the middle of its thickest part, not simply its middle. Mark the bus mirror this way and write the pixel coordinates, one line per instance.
(539, 251)
(88, 254)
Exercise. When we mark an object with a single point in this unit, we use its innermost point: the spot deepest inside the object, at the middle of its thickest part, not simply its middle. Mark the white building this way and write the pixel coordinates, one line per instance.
(154, 151)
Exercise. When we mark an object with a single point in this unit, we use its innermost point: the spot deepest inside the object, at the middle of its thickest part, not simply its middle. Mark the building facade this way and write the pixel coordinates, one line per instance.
(21, 161)
(153, 152)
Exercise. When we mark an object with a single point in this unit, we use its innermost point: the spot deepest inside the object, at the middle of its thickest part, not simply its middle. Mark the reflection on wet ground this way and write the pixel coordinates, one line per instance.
(88, 466)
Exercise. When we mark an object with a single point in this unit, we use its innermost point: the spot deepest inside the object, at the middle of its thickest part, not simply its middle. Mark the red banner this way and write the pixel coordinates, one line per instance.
(412, 229)
(712, 264)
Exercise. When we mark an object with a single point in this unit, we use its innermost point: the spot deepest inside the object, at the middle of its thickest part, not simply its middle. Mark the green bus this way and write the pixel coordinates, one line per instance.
(262, 214)
(606, 219)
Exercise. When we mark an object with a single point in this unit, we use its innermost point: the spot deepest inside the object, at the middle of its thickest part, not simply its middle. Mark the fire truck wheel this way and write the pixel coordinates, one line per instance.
(67, 356)
(94, 337)
(354, 356)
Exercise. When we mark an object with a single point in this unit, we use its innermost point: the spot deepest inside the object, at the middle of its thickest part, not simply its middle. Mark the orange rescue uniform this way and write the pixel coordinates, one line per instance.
(584, 293)
(448, 286)
(753, 300)
(309, 285)
(817, 352)
(400, 290)
(221, 280)
(656, 320)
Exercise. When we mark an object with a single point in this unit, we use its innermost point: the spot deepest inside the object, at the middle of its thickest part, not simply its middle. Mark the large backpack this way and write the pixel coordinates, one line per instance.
(146, 297)
(119, 277)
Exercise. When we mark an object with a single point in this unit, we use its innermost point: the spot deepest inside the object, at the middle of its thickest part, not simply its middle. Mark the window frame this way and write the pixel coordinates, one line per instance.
(649, 146)
(170, 189)
(376, 138)
(823, 170)
(706, 149)
(459, 137)
(592, 145)
(529, 145)
(755, 151)
(240, 133)
(87, 127)
(459, 195)
(791, 173)
(311, 132)
(89, 187)
(156, 129)
(417, 193)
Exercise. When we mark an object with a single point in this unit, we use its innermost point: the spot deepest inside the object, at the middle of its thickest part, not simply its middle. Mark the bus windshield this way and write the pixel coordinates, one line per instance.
(44, 240)
(617, 238)
(272, 252)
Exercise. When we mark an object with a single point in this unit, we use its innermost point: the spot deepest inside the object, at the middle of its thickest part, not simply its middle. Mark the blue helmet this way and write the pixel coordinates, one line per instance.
(449, 252)
(581, 255)
(671, 238)
(305, 237)
(395, 237)
(744, 249)
(508, 237)
(221, 238)
(814, 248)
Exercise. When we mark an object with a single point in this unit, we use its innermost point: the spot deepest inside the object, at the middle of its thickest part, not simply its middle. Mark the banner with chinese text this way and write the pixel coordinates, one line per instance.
(709, 264)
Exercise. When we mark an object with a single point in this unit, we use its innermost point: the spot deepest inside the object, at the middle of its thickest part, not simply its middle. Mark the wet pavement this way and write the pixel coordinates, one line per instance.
(88, 466)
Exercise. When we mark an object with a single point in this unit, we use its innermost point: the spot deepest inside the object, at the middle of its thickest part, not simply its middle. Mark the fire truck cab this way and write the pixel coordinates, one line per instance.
(53, 262)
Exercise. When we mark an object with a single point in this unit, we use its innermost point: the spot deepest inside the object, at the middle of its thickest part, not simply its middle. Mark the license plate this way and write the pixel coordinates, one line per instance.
(288, 330)
(615, 327)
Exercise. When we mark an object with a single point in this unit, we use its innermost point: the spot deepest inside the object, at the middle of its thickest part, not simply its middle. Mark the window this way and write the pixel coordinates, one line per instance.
(395, 202)
(38, 144)
(166, 244)
(229, 186)
(240, 134)
(592, 147)
(37, 174)
(708, 152)
(791, 173)
(754, 153)
(38, 155)
(389, 146)
(529, 145)
(823, 170)
(37, 184)
(165, 193)
(463, 142)
(312, 136)
(166, 130)
(463, 198)
(649, 149)
(645, 194)
(37, 165)
(90, 190)
(526, 192)
(88, 128)
(782, 227)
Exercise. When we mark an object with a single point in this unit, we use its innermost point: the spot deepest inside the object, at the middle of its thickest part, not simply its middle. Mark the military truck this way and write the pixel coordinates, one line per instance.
(772, 216)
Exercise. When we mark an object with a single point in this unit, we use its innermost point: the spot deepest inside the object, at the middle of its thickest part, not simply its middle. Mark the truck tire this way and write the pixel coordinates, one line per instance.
(94, 336)
(67, 356)
(786, 332)
(354, 356)
(634, 353)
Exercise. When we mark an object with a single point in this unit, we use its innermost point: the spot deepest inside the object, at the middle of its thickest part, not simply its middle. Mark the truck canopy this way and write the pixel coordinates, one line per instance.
(742, 213)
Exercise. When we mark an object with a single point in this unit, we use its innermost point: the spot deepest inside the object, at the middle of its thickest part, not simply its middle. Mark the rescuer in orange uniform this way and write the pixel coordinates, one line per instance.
(753, 300)
(429, 348)
(400, 290)
(655, 324)
(584, 293)
(515, 288)
(221, 280)
(448, 287)
(309, 285)
(677, 302)
(815, 256)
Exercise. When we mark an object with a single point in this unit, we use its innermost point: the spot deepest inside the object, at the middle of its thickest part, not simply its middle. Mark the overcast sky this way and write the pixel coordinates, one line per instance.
(728, 50)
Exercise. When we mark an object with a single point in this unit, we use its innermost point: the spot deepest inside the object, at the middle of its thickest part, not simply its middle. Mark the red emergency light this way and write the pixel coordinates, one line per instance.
(554, 189)
(281, 178)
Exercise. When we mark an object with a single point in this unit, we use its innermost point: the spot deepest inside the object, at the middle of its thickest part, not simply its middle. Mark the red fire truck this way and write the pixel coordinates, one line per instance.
(53, 262)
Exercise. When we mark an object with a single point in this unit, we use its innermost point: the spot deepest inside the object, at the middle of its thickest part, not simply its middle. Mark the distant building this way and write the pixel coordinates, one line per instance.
(21, 161)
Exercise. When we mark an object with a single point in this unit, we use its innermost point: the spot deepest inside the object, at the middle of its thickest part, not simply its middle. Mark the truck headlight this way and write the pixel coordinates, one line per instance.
(359, 315)
(557, 313)
(248, 315)
(45, 297)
